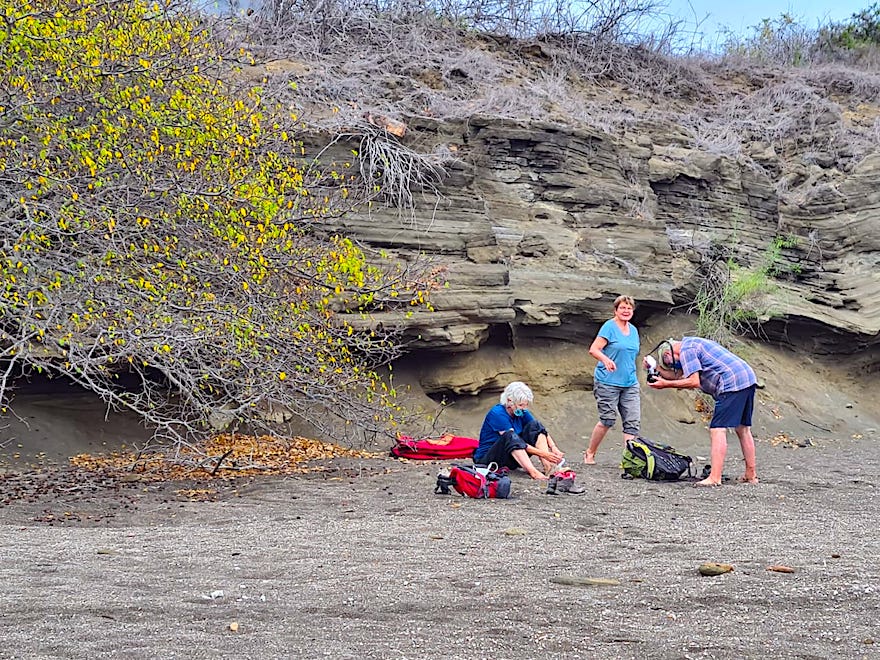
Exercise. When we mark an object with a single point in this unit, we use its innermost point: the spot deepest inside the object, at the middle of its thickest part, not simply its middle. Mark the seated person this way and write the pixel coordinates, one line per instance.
(511, 435)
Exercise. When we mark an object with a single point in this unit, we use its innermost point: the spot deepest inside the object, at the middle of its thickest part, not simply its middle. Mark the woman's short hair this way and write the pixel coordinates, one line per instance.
(624, 299)
(517, 392)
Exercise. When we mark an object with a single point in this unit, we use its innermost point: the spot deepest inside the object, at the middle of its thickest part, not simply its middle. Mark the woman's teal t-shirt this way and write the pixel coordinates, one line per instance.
(623, 349)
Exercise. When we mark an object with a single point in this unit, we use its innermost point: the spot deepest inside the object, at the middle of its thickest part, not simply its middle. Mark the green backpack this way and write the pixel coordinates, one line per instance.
(643, 459)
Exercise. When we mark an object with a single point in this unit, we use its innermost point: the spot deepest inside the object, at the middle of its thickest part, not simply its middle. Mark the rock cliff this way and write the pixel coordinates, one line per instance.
(576, 170)
(540, 226)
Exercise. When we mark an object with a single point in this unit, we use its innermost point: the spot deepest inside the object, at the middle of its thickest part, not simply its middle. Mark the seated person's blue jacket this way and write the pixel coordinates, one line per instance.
(497, 421)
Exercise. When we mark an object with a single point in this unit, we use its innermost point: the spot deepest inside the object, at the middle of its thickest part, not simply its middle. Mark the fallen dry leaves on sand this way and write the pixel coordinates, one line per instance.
(195, 473)
(224, 456)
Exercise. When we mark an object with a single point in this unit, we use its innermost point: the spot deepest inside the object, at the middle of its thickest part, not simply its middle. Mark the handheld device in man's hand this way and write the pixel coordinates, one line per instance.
(651, 367)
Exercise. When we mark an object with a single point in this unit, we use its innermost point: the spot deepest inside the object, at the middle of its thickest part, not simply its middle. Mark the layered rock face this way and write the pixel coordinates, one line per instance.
(540, 227)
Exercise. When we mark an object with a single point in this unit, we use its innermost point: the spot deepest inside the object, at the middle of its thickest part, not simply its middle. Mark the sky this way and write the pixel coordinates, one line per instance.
(711, 18)
(740, 15)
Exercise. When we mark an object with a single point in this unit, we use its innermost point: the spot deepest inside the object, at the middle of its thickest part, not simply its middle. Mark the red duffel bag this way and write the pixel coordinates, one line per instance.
(434, 449)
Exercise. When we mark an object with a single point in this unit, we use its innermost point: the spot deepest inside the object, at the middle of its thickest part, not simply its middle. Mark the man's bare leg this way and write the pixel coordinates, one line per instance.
(596, 437)
(522, 457)
(718, 438)
(747, 444)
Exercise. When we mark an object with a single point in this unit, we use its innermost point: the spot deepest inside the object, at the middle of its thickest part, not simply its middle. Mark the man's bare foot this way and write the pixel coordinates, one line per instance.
(747, 479)
(707, 482)
(537, 476)
(589, 459)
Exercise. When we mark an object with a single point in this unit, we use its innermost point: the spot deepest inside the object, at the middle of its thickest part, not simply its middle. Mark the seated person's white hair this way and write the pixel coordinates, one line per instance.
(517, 392)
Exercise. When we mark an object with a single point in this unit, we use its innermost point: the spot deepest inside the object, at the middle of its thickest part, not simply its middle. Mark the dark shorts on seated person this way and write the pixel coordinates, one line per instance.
(509, 442)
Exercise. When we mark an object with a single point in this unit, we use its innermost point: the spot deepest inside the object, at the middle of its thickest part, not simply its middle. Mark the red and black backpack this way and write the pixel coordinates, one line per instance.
(469, 482)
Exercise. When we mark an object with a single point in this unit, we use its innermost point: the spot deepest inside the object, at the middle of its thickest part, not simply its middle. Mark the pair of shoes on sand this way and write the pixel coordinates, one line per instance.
(563, 482)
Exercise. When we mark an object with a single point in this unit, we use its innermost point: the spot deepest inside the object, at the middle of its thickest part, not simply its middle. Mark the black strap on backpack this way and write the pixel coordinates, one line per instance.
(444, 483)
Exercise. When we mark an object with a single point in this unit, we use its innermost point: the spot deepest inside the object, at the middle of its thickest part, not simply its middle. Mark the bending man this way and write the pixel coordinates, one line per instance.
(696, 363)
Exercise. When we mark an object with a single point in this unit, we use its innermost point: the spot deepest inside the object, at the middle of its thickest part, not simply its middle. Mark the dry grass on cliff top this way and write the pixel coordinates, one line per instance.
(361, 61)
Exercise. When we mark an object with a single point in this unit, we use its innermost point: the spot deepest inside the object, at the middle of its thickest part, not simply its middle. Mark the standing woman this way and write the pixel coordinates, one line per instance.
(615, 385)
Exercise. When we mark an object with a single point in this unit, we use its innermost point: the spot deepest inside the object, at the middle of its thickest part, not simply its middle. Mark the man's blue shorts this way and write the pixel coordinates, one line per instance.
(734, 409)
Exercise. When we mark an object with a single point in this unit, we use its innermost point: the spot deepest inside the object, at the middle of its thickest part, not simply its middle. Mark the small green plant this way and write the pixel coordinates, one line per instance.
(732, 297)
(773, 258)
(859, 32)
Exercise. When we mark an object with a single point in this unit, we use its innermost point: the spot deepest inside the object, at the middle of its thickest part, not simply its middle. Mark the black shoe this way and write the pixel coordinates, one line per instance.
(707, 469)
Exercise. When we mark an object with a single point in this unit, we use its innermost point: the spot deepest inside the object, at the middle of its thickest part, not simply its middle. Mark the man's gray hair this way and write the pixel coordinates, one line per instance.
(517, 392)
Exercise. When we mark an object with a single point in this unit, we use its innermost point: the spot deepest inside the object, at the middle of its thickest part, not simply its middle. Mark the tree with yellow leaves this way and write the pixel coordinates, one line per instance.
(159, 228)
